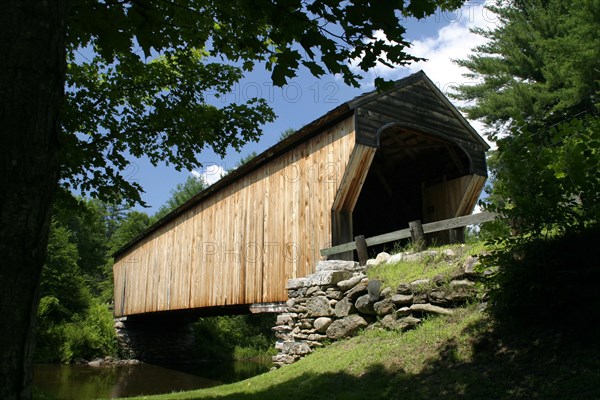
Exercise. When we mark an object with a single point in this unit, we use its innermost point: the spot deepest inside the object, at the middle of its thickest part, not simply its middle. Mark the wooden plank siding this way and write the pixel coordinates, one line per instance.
(450, 199)
(238, 241)
(239, 245)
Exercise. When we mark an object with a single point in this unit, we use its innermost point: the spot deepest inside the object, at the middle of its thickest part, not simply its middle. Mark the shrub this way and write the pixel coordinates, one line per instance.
(551, 282)
(85, 335)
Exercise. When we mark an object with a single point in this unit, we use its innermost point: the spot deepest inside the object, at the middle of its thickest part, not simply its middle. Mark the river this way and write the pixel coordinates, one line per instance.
(82, 382)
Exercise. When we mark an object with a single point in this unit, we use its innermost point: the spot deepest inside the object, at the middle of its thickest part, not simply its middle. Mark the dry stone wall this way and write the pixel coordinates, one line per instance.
(339, 300)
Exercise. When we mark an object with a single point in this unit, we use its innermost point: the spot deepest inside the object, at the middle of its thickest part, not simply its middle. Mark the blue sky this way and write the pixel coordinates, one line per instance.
(440, 38)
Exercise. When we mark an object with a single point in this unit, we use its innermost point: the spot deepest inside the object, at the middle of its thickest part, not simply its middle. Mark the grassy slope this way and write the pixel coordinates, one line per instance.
(425, 267)
(458, 357)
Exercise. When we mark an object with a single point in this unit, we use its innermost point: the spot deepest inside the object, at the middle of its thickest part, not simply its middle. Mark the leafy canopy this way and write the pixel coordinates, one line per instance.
(138, 73)
(538, 89)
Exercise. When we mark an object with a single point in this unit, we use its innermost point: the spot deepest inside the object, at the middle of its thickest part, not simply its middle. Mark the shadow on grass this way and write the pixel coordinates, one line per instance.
(532, 366)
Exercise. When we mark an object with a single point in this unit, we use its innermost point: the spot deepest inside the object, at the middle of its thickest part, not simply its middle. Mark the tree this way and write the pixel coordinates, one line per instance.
(538, 90)
(286, 133)
(87, 222)
(247, 159)
(182, 193)
(86, 83)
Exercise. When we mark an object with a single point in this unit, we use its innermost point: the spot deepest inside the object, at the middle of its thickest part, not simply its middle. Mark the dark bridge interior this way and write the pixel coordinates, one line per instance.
(405, 163)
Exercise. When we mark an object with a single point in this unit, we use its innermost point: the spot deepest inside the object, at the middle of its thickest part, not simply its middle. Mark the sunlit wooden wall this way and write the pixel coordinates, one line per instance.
(450, 199)
(240, 245)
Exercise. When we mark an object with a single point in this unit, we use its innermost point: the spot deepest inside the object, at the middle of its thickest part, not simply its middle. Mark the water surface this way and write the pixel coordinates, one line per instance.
(82, 382)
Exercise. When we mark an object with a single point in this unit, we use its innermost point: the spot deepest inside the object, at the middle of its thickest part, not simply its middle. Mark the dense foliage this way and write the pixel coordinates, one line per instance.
(235, 337)
(75, 318)
(538, 93)
(543, 280)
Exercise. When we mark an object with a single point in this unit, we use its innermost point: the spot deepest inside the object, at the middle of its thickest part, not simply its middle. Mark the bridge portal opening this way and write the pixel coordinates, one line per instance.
(413, 176)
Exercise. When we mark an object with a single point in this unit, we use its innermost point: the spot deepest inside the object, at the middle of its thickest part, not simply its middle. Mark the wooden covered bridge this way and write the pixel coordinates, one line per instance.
(368, 167)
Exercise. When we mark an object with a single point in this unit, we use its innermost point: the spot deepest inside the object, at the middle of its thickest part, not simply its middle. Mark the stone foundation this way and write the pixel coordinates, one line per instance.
(155, 339)
(339, 300)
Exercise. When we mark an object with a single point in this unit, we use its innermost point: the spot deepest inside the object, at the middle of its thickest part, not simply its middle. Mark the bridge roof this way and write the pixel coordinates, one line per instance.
(317, 126)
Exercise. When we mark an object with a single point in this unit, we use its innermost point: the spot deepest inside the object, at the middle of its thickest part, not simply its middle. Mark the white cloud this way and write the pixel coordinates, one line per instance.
(453, 41)
(210, 173)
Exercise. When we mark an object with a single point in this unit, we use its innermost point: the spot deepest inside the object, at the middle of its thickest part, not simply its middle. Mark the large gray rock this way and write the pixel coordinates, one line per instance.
(417, 257)
(98, 362)
(283, 359)
(402, 299)
(459, 296)
(386, 292)
(419, 285)
(470, 265)
(403, 312)
(337, 265)
(438, 297)
(384, 307)
(382, 257)
(395, 258)
(296, 283)
(312, 291)
(449, 253)
(334, 294)
(364, 305)
(345, 327)
(327, 277)
(318, 307)
(356, 291)
(295, 293)
(322, 323)
(285, 318)
(374, 290)
(407, 323)
(299, 349)
(430, 309)
(404, 288)
(388, 322)
(349, 283)
(461, 284)
(344, 307)
(305, 323)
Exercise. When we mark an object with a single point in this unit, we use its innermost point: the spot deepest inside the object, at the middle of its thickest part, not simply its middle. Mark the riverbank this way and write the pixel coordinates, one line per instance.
(465, 355)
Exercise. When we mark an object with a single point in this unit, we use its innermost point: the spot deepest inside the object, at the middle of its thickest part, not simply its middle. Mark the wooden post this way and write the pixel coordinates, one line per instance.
(457, 235)
(417, 235)
(361, 249)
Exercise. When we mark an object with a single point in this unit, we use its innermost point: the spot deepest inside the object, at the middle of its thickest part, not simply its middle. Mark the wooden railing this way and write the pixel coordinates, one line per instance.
(414, 231)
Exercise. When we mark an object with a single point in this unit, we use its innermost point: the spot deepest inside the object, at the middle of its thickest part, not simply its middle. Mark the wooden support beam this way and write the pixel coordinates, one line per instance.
(361, 249)
(276, 307)
(417, 235)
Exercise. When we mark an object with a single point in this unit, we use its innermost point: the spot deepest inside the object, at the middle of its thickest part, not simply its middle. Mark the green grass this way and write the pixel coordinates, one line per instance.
(463, 356)
(427, 267)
